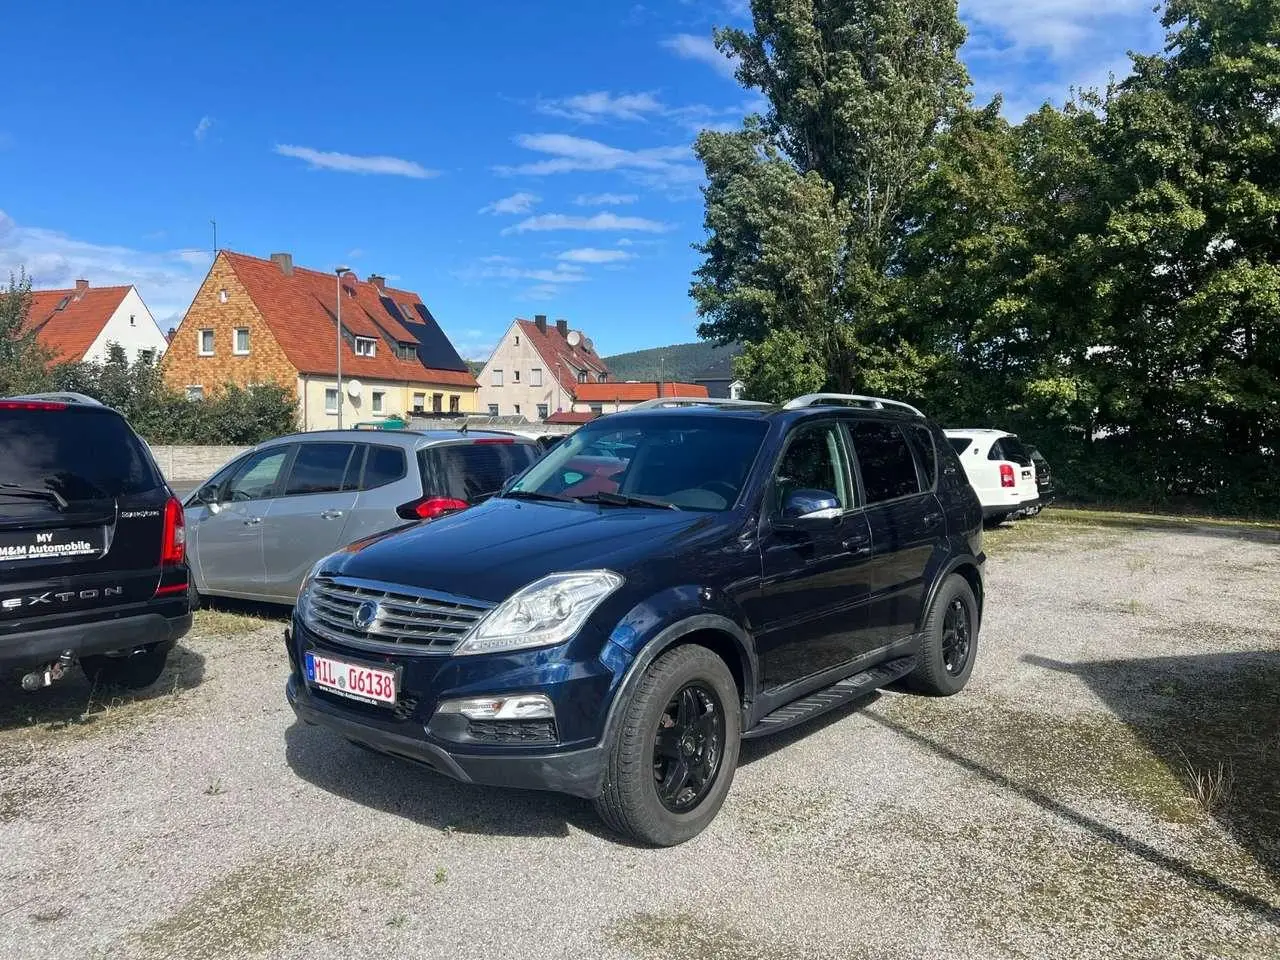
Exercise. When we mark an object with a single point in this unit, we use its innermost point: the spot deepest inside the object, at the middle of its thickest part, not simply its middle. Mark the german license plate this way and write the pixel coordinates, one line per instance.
(353, 680)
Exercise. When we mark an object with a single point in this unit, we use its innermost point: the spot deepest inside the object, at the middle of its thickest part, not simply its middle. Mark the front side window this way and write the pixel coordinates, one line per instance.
(206, 343)
(813, 460)
(378, 397)
(693, 463)
(319, 468)
(887, 466)
(331, 400)
(241, 344)
(256, 478)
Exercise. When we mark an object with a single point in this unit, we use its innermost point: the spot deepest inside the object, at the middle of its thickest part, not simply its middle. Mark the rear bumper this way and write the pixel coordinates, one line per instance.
(35, 648)
(1011, 511)
(576, 772)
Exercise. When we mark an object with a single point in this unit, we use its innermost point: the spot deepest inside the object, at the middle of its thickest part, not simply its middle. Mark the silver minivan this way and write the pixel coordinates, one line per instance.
(258, 525)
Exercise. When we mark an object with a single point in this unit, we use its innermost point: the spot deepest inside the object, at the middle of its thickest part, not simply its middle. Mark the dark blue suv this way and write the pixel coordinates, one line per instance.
(660, 586)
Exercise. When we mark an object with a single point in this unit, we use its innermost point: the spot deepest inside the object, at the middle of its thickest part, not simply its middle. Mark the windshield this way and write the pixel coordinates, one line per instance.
(692, 463)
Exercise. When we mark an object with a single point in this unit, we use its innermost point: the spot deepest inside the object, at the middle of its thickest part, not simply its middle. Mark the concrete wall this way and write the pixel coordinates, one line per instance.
(191, 464)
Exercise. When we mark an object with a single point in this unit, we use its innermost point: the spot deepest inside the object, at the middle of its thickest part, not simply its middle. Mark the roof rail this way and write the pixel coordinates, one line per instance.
(838, 399)
(66, 396)
(661, 402)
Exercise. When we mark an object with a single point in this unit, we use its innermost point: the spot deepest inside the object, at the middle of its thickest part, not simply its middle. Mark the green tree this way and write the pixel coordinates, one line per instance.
(23, 360)
(805, 207)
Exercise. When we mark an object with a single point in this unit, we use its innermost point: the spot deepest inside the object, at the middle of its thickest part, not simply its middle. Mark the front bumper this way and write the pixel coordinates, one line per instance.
(35, 648)
(576, 772)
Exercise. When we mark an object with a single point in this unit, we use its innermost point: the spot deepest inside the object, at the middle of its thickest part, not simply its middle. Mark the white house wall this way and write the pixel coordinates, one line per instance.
(142, 334)
(508, 356)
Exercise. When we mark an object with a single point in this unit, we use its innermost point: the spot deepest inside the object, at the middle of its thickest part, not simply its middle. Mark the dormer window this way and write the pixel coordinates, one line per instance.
(582, 376)
(366, 347)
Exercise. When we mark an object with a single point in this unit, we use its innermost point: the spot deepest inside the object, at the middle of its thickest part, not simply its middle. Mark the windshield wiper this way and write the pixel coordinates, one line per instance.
(43, 493)
(626, 500)
(535, 495)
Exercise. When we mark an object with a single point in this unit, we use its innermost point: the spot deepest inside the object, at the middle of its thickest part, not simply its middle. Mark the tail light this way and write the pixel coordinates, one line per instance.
(31, 405)
(493, 440)
(430, 507)
(173, 550)
(1006, 476)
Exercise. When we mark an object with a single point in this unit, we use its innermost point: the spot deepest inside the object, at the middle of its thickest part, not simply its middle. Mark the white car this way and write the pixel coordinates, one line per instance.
(1000, 469)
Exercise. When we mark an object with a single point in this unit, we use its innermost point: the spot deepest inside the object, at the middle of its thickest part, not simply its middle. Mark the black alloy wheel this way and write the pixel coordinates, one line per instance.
(688, 747)
(956, 637)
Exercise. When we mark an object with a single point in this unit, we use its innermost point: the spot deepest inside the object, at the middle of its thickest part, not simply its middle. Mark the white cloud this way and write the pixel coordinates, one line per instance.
(350, 163)
(601, 221)
(1060, 27)
(543, 291)
(689, 46)
(167, 280)
(594, 255)
(202, 128)
(604, 199)
(516, 203)
(565, 273)
(355, 253)
(602, 105)
(658, 167)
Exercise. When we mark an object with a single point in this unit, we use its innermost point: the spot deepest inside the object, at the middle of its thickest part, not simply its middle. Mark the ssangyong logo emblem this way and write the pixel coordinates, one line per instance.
(365, 614)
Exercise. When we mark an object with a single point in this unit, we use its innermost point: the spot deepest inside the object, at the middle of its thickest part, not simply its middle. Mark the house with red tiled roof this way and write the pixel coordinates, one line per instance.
(537, 369)
(81, 323)
(616, 396)
(259, 321)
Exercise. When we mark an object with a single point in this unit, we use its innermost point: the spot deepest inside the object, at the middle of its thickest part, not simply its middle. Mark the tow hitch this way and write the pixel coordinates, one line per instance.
(48, 674)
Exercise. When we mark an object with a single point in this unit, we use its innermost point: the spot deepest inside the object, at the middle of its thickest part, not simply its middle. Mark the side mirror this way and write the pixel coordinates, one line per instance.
(810, 505)
(208, 496)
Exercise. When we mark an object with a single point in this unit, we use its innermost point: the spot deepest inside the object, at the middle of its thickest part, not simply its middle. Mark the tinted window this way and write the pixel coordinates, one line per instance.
(257, 476)
(960, 444)
(355, 467)
(922, 442)
(84, 455)
(697, 463)
(1010, 449)
(814, 460)
(888, 468)
(472, 471)
(319, 468)
(384, 465)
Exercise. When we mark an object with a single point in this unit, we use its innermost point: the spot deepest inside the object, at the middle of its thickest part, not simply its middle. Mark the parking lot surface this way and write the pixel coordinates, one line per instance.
(1051, 810)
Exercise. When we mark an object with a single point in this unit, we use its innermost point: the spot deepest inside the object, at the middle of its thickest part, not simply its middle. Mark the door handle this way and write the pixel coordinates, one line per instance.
(857, 547)
(330, 514)
(932, 519)
(253, 521)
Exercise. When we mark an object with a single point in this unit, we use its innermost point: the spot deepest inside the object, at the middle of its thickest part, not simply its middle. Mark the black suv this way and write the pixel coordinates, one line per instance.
(659, 587)
(92, 546)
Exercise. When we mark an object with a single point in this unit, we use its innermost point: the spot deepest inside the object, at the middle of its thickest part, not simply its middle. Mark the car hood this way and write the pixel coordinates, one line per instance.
(490, 551)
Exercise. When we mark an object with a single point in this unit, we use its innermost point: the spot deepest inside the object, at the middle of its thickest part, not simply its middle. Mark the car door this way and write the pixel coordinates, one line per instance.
(230, 537)
(810, 612)
(906, 520)
(306, 522)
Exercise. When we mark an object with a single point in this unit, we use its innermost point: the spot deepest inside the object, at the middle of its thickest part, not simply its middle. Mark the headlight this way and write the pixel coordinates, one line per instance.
(546, 612)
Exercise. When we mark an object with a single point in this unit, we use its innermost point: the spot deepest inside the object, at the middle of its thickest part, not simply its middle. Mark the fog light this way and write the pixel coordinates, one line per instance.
(526, 706)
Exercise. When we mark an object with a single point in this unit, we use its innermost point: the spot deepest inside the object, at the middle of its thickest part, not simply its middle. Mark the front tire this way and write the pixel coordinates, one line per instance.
(674, 754)
(950, 641)
(132, 671)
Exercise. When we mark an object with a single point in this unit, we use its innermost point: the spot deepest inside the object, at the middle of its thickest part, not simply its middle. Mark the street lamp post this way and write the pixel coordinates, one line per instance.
(341, 272)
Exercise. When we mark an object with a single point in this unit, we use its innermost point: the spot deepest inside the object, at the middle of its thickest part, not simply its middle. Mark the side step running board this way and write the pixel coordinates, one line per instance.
(828, 698)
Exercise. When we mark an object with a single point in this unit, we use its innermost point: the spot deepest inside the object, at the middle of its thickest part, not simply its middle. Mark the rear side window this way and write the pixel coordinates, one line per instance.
(1010, 449)
(83, 454)
(384, 465)
(960, 444)
(472, 471)
(887, 465)
(922, 441)
(319, 468)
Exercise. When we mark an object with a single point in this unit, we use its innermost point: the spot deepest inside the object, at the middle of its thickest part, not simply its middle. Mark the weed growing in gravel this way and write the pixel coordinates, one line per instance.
(214, 789)
(441, 875)
(684, 936)
(1212, 788)
(396, 921)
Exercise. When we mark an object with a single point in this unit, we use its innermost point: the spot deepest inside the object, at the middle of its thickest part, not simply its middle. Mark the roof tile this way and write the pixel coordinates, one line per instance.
(70, 332)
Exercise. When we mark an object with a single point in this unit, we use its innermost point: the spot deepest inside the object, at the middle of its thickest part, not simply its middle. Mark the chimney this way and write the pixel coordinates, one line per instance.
(378, 281)
(81, 287)
(540, 321)
(562, 327)
(171, 334)
(284, 261)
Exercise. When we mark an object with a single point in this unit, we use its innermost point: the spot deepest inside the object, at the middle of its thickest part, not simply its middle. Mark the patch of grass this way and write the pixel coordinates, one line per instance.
(684, 936)
(1212, 787)
(252, 910)
(1135, 518)
(220, 622)
(398, 920)
(441, 875)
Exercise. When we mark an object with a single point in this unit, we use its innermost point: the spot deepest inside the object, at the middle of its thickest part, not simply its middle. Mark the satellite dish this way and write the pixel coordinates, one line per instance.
(574, 338)
(354, 389)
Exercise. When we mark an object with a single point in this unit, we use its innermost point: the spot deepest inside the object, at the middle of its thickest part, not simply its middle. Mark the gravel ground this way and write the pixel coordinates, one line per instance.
(1049, 811)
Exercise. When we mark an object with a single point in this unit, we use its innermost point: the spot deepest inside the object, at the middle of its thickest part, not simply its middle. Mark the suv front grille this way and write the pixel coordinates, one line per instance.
(389, 617)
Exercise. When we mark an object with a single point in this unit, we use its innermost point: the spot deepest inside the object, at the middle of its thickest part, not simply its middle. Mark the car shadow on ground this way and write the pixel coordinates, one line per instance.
(1213, 717)
(405, 789)
(74, 702)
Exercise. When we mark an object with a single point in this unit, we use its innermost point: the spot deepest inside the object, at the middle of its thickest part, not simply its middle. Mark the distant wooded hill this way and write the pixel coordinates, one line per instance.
(680, 361)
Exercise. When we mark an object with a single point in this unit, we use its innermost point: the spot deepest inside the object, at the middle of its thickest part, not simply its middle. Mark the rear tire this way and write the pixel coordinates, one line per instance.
(684, 715)
(950, 641)
(132, 672)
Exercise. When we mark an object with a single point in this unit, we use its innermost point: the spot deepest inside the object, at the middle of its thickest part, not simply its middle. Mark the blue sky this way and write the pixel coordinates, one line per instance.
(516, 158)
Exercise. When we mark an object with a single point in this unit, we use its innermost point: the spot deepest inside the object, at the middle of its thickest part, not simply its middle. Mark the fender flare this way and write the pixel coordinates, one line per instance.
(951, 566)
(667, 638)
